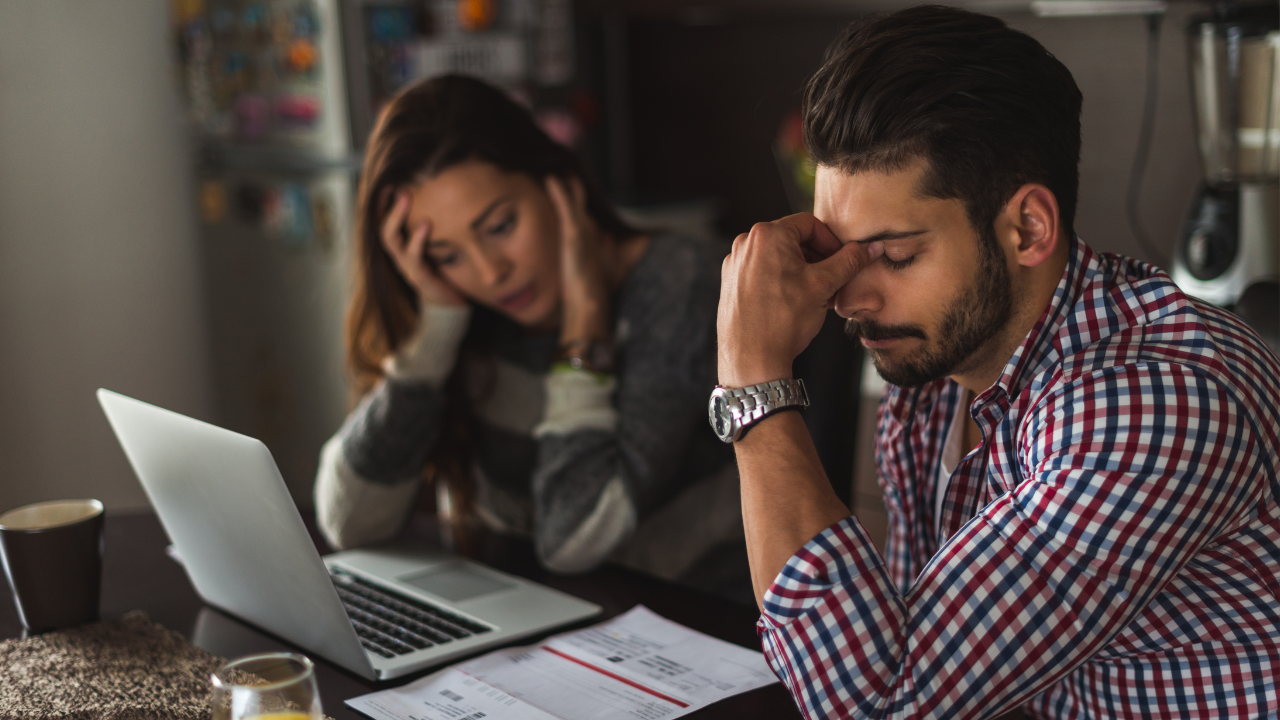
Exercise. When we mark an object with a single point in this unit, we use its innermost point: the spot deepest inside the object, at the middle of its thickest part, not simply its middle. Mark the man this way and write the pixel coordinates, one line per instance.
(1079, 462)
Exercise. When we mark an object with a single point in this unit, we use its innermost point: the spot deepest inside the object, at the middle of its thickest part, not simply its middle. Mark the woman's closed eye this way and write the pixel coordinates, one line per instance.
(503, 226)
(443, 254)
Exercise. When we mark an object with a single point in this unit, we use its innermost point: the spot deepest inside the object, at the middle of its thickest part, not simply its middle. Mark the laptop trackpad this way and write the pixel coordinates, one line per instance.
(455, 582)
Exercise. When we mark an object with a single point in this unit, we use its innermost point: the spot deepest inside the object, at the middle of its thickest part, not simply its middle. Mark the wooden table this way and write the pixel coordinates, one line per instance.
(138, 575)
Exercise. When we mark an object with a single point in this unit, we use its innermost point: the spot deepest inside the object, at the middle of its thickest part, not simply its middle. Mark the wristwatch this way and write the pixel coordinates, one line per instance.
(588, 354)
(732, 411)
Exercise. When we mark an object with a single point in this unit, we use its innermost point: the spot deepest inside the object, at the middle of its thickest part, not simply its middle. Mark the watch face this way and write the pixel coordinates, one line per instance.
(719, 415)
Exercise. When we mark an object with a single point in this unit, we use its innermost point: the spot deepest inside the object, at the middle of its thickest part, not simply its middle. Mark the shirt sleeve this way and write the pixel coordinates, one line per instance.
(1127, 474)
(610, 448)
(371, 470)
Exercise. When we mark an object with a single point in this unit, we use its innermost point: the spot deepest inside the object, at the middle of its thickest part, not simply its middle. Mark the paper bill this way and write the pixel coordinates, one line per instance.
(638, 665)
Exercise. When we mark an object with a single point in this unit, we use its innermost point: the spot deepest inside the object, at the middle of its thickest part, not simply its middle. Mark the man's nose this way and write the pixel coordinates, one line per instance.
(859, 295)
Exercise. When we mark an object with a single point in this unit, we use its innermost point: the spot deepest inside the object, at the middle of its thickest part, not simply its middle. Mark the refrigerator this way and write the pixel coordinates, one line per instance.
(280, 97)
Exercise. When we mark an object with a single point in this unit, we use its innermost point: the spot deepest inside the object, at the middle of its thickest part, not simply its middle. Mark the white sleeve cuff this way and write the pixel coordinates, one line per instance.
(431, 353)
(578, 400)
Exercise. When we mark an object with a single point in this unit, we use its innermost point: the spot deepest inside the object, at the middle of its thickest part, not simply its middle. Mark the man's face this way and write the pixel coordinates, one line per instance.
(938, 296)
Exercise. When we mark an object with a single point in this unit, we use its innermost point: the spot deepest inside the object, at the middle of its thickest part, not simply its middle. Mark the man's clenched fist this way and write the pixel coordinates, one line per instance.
(776, 287)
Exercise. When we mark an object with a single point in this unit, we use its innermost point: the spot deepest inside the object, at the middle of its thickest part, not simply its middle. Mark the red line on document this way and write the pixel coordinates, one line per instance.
(619, 678)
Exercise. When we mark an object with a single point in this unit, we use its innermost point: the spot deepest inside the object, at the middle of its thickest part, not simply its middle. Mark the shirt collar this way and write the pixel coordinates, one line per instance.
(1042, 348)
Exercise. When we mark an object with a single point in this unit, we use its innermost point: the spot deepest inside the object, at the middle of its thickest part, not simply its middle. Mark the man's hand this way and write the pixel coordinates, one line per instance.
(776, 287)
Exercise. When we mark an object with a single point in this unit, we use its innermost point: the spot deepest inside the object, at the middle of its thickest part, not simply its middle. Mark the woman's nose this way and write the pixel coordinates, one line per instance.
(494, 267)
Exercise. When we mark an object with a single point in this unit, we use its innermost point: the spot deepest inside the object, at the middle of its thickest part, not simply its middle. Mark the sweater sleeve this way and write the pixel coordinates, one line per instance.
(371, 469)
(610, 448)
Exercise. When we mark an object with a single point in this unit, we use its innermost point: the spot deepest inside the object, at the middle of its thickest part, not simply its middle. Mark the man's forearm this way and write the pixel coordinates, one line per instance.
(786, 497)
(773, 300)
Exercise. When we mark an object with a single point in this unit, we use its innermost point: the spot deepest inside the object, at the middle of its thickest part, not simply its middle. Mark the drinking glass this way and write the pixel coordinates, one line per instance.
(272, 686)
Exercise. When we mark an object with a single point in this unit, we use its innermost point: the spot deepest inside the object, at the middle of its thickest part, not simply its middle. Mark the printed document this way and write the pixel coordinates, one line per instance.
(638, 665)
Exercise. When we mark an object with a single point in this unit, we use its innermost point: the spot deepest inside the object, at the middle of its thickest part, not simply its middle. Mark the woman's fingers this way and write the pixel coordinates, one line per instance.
(409, 254)
(579, 198)
(415, 249)
(560, 199)
(431, 287)
(583, 284)
(393, 223)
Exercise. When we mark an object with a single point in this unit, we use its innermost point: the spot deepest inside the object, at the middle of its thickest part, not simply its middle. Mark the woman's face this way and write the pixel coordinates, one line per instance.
(494, 237)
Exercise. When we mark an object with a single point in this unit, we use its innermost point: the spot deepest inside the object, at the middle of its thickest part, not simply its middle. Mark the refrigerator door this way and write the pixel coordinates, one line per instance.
(266, 90)
(276, 271)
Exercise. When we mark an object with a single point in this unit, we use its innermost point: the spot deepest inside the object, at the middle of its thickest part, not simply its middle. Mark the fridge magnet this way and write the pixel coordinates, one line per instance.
(301, 55)
(213, 201)
(476, 15)
(296, 216)
(184, 11)
(273, 212)
(305, 21)
(322, 220)
(294, 112)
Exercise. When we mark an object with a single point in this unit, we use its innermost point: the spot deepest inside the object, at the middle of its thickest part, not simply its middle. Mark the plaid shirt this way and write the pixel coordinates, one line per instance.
(1112, 549)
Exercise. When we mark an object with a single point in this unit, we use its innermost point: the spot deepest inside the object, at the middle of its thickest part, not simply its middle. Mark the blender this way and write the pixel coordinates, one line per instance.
(1229, 242)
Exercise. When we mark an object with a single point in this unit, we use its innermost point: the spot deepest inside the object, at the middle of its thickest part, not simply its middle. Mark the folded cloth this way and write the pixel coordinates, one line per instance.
(126, 669)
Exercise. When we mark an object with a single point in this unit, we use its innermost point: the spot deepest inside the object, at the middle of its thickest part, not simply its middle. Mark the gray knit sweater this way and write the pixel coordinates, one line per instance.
(590, 467)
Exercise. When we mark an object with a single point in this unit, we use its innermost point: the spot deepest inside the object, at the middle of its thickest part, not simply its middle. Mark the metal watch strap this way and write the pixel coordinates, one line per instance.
(756, 401)
(749, 404)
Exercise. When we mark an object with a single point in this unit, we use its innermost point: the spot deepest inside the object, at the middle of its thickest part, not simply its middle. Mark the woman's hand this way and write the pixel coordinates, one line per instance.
(583, 253)
(409, 255)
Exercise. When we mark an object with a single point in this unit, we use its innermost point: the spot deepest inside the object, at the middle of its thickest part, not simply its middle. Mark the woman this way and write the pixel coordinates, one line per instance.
(509, 332)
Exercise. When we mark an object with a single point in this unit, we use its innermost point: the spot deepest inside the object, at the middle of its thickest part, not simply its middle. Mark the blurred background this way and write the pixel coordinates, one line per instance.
(177, 179)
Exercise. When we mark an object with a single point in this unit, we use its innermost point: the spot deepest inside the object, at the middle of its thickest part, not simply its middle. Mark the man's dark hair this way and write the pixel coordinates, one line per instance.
(987, 107)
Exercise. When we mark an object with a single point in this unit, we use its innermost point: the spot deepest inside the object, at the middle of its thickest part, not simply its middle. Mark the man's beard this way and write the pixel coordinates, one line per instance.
(973, 318)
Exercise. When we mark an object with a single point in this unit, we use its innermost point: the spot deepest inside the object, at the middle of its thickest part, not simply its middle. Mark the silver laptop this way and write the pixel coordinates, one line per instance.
(381, 612)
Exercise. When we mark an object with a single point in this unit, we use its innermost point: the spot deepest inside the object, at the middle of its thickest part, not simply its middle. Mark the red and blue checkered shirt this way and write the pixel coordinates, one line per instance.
(1112, 549)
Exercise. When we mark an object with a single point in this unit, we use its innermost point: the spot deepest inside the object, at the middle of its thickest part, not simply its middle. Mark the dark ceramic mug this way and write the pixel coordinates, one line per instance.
(52, 555)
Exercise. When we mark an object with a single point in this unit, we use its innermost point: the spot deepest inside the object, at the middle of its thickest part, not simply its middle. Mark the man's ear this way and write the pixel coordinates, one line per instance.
(1031, 221)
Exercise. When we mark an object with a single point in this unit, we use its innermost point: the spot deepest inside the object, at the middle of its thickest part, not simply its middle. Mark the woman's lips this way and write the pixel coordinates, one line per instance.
(520, 299)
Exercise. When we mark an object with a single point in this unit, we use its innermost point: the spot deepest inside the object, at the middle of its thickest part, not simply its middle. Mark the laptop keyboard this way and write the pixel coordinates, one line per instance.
(390, 624)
